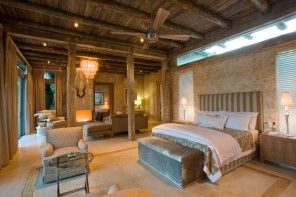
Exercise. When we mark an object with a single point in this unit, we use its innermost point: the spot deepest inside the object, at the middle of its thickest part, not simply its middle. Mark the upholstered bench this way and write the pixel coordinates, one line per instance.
(179, 164)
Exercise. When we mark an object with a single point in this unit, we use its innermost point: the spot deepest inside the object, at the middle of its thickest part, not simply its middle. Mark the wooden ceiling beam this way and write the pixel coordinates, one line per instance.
(87, 43)
(33, 7)
(202, 12)
(280, 10)
(261, 5)
(50, 51)
(137, 14)
(40, 31)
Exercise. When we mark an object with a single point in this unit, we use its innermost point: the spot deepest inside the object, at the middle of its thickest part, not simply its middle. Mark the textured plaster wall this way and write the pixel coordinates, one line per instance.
(254, 71)
(186, 92)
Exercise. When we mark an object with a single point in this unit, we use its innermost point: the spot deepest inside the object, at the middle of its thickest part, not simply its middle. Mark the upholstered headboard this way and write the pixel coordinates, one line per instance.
(234, 102)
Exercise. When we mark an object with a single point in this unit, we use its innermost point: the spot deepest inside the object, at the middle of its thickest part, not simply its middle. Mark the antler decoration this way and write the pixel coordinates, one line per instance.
(80, 92)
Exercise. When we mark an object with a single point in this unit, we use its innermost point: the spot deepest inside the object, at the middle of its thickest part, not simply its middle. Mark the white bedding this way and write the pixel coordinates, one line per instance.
(215, 140)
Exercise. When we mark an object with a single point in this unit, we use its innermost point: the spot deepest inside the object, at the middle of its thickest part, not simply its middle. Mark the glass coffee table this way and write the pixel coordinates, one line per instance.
(70, 162)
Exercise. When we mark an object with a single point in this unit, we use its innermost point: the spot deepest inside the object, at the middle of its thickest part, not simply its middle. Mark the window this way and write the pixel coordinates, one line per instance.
(261, 34)
(286, 81)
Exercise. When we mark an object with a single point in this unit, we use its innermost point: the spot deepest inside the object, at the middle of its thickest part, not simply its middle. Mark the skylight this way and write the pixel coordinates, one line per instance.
(261, 34)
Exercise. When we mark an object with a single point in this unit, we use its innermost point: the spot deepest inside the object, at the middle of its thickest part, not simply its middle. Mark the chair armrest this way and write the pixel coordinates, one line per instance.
(83, 147)
(47, 150)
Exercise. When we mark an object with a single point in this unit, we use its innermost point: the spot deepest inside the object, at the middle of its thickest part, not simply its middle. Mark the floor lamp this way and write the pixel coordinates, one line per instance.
(286, 101)
(184, 104)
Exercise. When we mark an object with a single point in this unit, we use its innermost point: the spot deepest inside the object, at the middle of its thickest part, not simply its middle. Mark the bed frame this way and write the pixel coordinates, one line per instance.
(235, 102)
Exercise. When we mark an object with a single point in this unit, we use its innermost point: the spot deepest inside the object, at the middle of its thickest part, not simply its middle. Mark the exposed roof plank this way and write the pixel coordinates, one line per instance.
(33, 7)
(261, 5)
(280, 10)
(142, 16)
(202, 12)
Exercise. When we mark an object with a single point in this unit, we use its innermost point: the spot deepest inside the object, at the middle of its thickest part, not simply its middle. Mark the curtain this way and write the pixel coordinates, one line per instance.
(8, 100)
(30, 120)
(4, 142)
(39, 90)
(11, 94)
(59, 92)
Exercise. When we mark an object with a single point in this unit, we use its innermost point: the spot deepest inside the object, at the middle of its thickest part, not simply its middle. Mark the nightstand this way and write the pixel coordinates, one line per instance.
(278, 148)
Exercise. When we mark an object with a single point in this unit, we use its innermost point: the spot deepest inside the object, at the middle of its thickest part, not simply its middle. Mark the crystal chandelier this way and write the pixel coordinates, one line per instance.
(89, 67)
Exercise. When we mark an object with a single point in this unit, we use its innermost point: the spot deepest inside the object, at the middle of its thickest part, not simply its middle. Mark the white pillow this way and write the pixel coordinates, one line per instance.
(238, 122)
(253, 120)
(216, 122)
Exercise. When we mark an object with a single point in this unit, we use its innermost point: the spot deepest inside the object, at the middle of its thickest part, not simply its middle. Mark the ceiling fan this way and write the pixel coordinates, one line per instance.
(153, 33)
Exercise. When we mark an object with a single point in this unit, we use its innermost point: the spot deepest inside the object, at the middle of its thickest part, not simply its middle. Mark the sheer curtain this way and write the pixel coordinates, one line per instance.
(8, 100)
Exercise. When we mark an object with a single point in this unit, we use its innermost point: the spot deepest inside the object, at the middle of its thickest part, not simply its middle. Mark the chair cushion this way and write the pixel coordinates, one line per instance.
(64, 137)
(62, 151)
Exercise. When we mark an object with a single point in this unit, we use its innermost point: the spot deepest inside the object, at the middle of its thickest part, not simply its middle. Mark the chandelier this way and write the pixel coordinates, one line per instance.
(89, 67)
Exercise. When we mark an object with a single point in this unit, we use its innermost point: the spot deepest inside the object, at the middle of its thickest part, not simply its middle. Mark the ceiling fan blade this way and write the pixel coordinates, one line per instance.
(127, 33)
(161, 16)
(175, 37)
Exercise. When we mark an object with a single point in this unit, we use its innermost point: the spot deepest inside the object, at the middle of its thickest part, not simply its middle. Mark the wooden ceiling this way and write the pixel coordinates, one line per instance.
(32, 22)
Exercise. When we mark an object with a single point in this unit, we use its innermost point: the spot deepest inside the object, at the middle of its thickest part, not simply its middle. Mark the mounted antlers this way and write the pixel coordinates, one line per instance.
(80, 93)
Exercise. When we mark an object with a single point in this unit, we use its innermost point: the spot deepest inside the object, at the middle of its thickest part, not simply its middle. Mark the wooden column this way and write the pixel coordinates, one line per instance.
(165, 92)
(131, 95)
(71, 75)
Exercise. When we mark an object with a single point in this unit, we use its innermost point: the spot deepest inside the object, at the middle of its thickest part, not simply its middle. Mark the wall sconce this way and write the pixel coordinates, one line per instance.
(184, 104)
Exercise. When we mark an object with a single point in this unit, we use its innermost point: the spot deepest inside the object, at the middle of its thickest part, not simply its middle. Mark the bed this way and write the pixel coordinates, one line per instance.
(223, 149)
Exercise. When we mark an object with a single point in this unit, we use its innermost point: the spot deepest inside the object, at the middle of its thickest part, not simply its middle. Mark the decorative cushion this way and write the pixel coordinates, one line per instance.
(216, 122)
(237, 122)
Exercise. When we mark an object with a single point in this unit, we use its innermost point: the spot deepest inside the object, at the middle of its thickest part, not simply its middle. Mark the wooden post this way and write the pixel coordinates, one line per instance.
(71, 75)
(131, 95)
(165, 92)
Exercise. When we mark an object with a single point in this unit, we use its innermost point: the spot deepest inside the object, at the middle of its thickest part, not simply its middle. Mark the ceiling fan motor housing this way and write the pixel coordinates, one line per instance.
(152, 36)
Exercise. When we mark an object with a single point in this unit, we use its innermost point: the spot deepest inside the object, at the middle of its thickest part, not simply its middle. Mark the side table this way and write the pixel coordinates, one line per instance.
(278, 148)
(41, 133)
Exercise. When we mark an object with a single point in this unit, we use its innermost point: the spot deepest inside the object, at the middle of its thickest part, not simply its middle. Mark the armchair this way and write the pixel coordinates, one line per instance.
(61, 141)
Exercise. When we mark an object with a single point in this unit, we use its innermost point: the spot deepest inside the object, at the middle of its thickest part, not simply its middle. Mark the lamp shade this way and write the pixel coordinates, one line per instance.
(83, 115)
(184, 101)
(286, 99)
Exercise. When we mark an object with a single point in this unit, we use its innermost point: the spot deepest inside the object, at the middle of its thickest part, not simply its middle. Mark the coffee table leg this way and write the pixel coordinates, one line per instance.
(86, 182)
(58, 183)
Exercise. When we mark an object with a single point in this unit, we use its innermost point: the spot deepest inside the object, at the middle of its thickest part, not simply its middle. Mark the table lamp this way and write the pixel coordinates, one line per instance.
(286, 101)
(184, 104)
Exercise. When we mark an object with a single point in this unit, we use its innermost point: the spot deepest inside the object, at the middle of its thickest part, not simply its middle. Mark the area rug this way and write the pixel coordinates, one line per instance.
(121, 167)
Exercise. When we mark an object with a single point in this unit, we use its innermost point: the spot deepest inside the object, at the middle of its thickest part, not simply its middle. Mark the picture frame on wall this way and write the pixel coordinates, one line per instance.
(99, 98)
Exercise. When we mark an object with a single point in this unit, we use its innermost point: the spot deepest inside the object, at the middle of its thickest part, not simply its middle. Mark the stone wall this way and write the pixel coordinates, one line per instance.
(235, 72)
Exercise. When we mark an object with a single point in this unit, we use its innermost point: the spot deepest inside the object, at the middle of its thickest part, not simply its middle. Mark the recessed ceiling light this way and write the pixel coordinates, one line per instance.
(141, 71)
(76, 25)
(142, 40)
(44, 44)
(48, 62)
